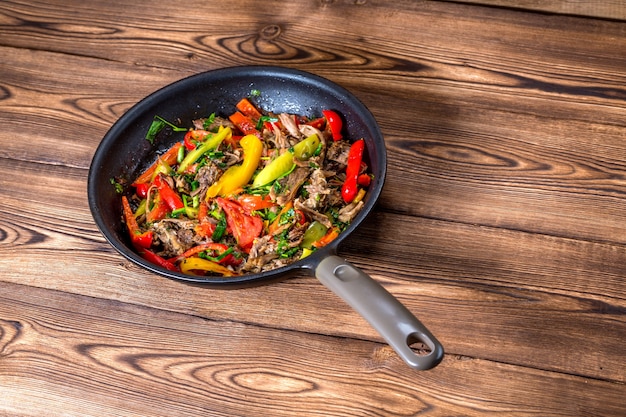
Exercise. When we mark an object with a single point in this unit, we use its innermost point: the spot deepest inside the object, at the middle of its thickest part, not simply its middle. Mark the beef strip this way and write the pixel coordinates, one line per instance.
(175, 235)
(289, 185)
(311, 213)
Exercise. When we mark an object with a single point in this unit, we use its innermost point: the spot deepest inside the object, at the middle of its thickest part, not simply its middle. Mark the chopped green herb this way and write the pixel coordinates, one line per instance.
(118, 187)
(264, 119)
(208, 121)
(158, 123)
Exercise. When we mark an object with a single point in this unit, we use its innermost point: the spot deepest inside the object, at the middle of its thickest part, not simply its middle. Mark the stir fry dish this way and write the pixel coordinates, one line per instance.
(248, 193)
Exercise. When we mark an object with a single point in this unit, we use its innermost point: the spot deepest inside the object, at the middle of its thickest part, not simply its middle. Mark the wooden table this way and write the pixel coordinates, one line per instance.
(502, 224)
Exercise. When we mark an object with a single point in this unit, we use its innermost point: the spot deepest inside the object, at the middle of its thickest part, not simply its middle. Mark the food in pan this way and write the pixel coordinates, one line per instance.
(246, 194)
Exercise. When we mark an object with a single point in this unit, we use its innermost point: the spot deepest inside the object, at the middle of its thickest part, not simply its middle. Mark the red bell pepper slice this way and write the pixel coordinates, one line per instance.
(158, 211)
(139, 239)
(171, 197)
(248, 109)
(364, 180)
(216, 250)
(152, 257)
(142, 189)
(317, 123)
(194, 136)
(245, 124)
(170, 157)
(350, 186)
(335, 123)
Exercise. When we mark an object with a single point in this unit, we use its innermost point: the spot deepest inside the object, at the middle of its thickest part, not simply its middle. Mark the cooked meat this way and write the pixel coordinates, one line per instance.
(198, 124)
(279, 138)
(288, 186)
(289, 122)
(262, 252)
(337, 156)
(296, 234)
(308, 130)
(317, 190)
(206, 176)
(347, 213)
(230, 158)
(181, 184)
(311, 213)
(168, 238)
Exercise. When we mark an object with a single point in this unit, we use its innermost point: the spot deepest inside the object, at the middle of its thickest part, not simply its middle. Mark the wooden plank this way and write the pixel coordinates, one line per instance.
(609, 9)
(553, 296)
(92, 357)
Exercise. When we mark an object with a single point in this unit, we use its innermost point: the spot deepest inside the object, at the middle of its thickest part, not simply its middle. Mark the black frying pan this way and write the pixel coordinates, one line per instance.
(124, 153)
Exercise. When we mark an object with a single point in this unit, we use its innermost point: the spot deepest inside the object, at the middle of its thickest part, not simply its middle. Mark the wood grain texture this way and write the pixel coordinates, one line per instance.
(501, 224)
(188, 366)
(609, 9)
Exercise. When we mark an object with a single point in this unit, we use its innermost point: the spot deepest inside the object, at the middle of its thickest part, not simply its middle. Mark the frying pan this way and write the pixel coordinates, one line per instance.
(124, 153)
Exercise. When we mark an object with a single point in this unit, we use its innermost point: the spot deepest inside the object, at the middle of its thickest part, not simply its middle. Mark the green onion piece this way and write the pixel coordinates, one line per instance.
(218, 258)
(220, 229)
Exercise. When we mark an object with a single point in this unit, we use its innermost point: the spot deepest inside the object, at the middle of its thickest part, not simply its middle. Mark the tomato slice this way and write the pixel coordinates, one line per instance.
(252, 202)
(245, 227)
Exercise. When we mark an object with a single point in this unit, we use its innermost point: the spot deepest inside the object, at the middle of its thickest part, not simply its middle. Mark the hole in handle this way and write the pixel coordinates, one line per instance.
(419, 346)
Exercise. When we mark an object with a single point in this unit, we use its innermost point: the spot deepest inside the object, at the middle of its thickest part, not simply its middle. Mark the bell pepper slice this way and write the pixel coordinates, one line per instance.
(313, 233)
(334, 122)
(282, 164)
(350, 187)
(248, 109)
(194, 265)
(245, 124)
(194, 136)
(152, 257)
(158, 209)
(364, 180)
(168, 157)
(138, 239)
(318, 123)
(327, 238)
(280, 218)
(221, 253)
(171, 197)
(209, 144)
(142, 189)
(237, 176)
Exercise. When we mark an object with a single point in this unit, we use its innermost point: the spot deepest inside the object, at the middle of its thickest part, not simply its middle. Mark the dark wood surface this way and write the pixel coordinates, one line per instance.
(502, 223)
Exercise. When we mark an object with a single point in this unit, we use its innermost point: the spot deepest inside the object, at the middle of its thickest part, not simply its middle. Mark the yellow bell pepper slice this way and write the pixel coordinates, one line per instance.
(280, 166)
(237, 176)
(189, 265)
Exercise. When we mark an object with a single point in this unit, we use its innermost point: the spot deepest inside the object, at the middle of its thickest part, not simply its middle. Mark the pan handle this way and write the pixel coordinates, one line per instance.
(390, 318)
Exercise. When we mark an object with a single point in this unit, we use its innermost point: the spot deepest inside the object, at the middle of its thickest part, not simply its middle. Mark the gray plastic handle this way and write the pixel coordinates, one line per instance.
(390, 318)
